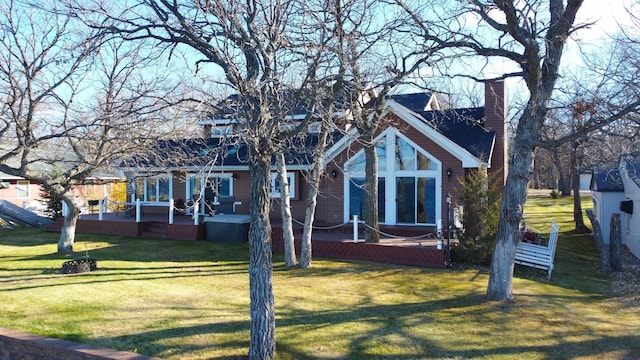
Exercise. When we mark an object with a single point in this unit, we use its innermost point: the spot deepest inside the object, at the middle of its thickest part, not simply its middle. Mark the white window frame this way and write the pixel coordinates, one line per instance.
(391, 174)
(23, 186)
(220, 131)
(275, 192)
(156, 179)
(203, 180)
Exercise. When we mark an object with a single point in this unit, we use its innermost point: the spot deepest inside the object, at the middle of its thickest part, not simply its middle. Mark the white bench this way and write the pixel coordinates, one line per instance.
(538, 256)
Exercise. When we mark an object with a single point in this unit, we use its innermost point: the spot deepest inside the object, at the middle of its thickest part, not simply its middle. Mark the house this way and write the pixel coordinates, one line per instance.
(30, 195)
(422, 151)
(617, 190)
(21, 192)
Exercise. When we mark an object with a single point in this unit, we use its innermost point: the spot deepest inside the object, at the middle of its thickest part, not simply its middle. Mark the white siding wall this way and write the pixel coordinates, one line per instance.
(631, 223)
(605, 204)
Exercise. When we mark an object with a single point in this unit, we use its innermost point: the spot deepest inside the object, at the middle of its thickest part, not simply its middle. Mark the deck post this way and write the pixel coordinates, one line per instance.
(138, 208)
(196, 214)
(100, 212)
(171, 205)
(439, 234)
(355, 229)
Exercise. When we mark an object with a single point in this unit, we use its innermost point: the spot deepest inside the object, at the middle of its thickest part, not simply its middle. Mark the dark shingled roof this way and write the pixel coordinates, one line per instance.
(232, 108)
(416, 102)
(606, 180)
(217, 152)
(465, 127)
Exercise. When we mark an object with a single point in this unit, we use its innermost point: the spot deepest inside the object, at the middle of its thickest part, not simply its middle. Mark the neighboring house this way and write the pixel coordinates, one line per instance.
(30, 195)
(617, 190)
(21, 192)
(422, 152)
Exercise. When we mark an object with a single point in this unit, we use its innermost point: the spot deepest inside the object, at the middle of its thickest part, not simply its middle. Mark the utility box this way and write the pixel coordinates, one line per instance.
(227, 228)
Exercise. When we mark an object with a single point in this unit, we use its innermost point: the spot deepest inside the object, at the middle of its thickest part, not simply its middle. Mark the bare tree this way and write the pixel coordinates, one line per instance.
(251, 42)
(74, 103)
(530, 35)
(372, 56)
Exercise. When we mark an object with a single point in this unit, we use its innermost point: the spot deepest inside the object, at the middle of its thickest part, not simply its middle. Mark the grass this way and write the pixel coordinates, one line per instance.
(189, 300)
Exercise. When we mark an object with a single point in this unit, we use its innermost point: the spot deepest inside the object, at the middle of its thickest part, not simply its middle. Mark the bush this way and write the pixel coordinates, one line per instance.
(481, 199)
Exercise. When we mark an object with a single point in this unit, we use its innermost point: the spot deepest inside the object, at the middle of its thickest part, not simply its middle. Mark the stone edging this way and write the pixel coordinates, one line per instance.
(18, 345)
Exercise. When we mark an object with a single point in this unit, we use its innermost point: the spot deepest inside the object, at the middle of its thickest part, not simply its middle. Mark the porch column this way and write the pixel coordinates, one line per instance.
(138, 208)
(100, 211)
(171, 205)
(196, 214)
(355, 229)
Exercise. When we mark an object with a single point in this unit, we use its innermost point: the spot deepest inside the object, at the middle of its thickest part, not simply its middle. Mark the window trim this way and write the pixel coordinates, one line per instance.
(21, 188)
(275, 193)
(145, 183)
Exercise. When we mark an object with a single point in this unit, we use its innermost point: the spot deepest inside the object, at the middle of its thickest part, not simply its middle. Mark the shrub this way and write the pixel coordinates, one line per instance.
(481, 199)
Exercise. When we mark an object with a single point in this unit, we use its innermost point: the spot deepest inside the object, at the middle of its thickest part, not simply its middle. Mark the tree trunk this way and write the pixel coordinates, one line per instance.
(563, 187)
(306, 247)
(602, 247)
(68, 231)
(581, 228)
(285, 210)
(513, 199)
(371, 194)
(312, 198)
(262, 338)
(615, 243)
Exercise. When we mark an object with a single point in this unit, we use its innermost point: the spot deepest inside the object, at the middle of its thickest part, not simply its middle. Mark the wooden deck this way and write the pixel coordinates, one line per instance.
(334, 244)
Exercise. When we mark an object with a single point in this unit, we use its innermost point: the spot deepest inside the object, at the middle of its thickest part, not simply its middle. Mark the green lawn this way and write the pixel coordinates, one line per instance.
(190, 300)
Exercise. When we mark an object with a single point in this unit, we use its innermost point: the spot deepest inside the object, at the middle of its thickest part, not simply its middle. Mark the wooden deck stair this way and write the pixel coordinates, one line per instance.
(154, 230)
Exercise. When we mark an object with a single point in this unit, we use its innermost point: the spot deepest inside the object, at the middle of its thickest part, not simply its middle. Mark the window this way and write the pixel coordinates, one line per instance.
(415, 200)
(408, 183)
(357, 163)
(275, 185)
(22, 186)
(218, 184)
(221, 131)
(357, 195)
(409, 158)
(153, 189)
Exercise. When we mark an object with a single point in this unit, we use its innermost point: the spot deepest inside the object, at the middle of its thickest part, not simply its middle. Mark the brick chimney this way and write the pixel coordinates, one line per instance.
(495, 112)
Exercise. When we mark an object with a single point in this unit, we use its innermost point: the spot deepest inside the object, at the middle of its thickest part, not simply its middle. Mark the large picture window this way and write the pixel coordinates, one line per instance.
(408, 182)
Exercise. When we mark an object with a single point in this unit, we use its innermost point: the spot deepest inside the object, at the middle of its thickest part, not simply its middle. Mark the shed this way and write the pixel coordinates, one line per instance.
(607, 191)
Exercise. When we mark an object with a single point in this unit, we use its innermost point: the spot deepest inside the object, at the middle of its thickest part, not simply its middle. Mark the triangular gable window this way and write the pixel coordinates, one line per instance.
(408, 182)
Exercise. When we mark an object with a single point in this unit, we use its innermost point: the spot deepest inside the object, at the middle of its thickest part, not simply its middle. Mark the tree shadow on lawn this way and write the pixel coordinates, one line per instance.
(112, 275)
(394, 325)
(153, 251)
